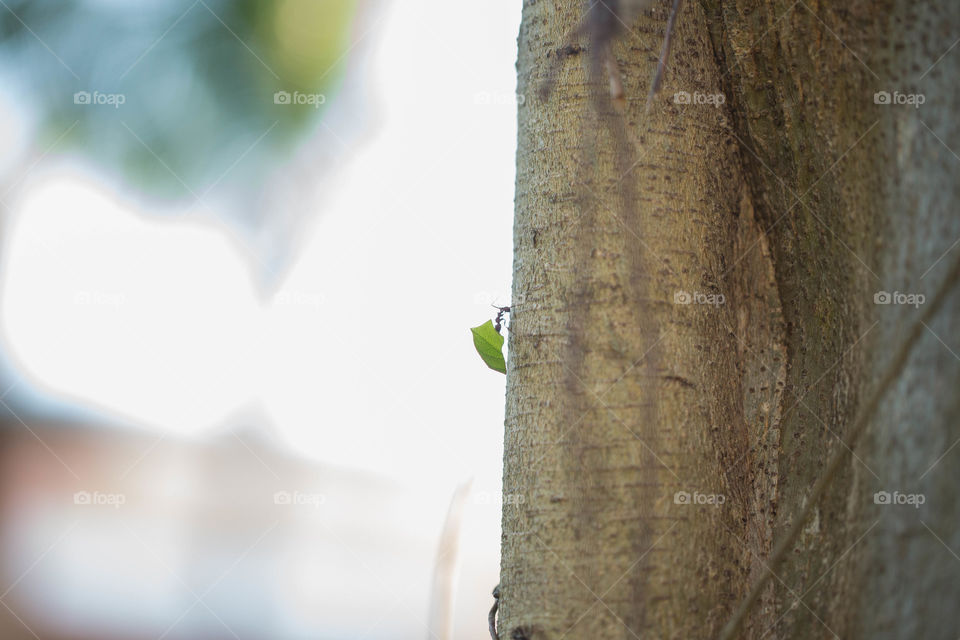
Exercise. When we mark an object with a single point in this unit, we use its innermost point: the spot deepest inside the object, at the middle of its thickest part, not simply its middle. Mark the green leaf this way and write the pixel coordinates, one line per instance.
(489, 345)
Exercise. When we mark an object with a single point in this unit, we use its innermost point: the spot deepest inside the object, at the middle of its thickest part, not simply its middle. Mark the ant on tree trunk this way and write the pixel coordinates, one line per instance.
(498, 323)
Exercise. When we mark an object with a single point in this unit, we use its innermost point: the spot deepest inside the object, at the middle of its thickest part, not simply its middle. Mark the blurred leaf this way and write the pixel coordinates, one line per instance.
(198, 82)
(297, 28)
(489, 345)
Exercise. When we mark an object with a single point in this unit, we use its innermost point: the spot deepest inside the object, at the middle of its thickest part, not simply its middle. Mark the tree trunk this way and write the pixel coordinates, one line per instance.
(663, 457)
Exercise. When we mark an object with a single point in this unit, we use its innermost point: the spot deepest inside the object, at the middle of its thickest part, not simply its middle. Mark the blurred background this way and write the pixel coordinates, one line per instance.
(243, 242)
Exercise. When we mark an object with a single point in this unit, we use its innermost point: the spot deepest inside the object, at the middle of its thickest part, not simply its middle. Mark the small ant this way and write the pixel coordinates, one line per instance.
(499, 321)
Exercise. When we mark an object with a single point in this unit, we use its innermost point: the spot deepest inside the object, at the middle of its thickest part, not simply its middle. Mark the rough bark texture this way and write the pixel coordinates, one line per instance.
(796, 200)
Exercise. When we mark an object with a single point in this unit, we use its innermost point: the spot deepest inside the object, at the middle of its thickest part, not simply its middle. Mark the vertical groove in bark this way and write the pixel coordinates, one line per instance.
(794, 123)
(805, 114)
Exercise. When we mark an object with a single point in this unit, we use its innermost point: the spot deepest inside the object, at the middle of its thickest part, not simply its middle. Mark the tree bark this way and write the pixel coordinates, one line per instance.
(778, 214)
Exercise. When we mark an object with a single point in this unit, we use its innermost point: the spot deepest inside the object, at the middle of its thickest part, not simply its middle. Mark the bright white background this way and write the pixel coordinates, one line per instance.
(361, 357)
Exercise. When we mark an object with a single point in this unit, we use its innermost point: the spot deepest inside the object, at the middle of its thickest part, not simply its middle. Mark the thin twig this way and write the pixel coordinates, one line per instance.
(492, 617)
(445, 567)
(664, 53)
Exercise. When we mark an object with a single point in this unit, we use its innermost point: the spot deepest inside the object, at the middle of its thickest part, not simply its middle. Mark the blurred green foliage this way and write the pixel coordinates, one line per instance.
(196, 78)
